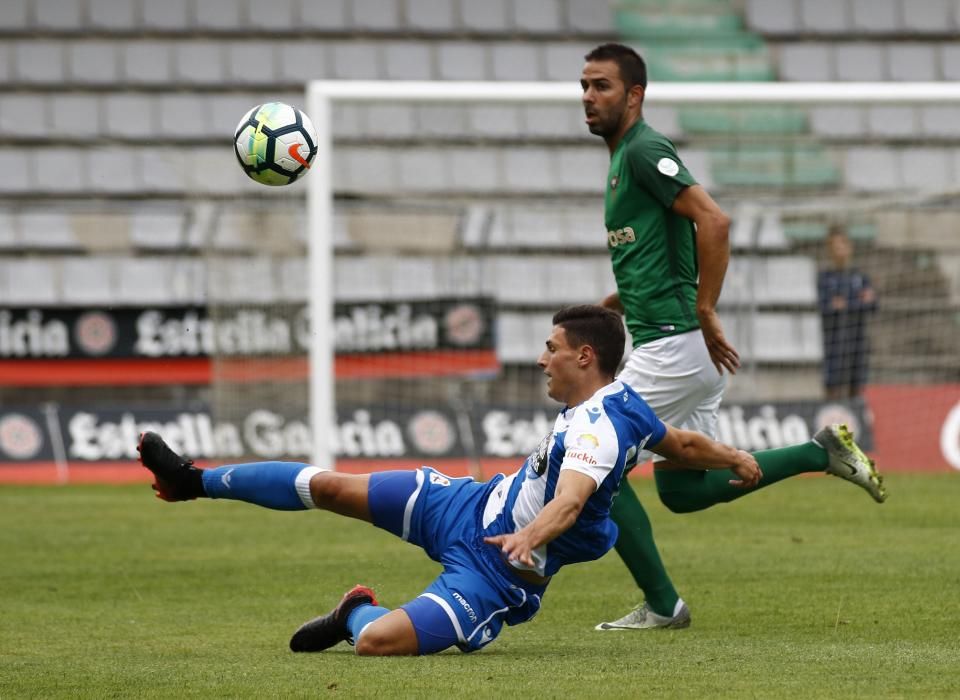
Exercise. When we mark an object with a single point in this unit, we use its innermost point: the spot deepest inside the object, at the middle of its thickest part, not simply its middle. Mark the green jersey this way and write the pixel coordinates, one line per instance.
(653, 248)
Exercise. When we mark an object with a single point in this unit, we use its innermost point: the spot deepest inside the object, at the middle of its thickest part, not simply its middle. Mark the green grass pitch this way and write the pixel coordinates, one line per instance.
(805, 590)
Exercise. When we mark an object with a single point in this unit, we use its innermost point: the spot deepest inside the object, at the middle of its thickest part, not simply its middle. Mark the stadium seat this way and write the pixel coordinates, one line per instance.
(422, 169)
(913, 62)
(228, 280)
(928, 17)
(562, 61)
(492, 121)
(148, 62)
(412, 278)
(200, 63)
(111, 15)
(16, 161)
(823, 16)
(77, 115)
(31, 282)
(519, 280)
(170, 15)
(581, 169)
(785, 337)
(589, 16)
(514, 337)
(489, 16)
(218, 15)
(441, 121)
(355, 60)
(24, 116)
(59, 170)
(93, 63)
(772, 16)
(58, 14)
(875, 16)
(514, 61)
(430, 15)
(461, 60)
(276, 15)
(807, 61)
(927, 168)
(575, 280)
(370, 170)
(361, 279)
(838, 122)
(330, 16)
(871, 168)
(787, 279)
(129, 115)
(13, 14)
(950, 60)
(530, 226)
(38, 62)
(376, 15)
(114, 169)
(473, 170)
(860, 62)
(406, 60)
(940, 121)
(537, 16)
(88, 280)
(157, 229)
(250, 63)
(892, 121)
(520, 164)
(144, 281)
(9, 234)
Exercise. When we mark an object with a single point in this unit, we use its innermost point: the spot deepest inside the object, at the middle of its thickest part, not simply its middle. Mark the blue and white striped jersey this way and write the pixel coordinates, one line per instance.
(600, 437)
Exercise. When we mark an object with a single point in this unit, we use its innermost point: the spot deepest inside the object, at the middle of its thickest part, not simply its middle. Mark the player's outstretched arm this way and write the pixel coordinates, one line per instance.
(573, 490)
(687, 449)
(713, 254)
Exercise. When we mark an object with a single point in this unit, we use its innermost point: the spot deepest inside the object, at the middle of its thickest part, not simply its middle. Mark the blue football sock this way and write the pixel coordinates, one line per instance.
(268, 484)
(363, 615)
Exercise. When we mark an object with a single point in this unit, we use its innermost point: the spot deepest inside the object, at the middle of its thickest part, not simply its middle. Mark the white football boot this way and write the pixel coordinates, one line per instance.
(643, 618)
(849, 462)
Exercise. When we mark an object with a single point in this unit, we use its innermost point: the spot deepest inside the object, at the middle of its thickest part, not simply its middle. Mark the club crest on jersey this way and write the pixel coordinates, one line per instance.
(614, 181)
(439, 479)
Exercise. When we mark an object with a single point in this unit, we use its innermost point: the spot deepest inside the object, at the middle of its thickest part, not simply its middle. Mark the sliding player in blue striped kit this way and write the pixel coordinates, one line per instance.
(499, 542)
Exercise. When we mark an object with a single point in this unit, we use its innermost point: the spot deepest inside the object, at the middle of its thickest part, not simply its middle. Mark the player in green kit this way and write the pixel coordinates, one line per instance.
(668, 242)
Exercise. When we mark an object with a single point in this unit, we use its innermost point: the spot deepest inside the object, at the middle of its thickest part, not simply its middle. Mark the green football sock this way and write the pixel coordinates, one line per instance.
(685, 491)
(636, 547)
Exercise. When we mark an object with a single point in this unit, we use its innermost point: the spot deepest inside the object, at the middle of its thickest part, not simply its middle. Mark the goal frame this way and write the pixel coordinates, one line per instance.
(321, 95)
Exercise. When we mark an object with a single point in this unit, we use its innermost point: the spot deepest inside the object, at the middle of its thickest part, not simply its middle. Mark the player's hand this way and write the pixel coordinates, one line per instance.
(747, 470)
(722, 353)
(612, 302)
(513, 546)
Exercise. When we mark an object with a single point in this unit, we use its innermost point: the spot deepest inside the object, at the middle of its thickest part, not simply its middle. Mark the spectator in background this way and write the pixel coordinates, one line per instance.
(846, 298)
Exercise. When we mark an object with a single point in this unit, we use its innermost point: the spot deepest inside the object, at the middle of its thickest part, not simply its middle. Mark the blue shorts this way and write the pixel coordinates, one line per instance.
(476, 594)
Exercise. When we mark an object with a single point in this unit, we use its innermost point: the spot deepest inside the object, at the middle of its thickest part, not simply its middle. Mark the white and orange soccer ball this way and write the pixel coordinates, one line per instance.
(275, 143)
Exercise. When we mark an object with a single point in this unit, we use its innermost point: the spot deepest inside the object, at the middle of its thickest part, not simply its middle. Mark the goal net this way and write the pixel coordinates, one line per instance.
(446, 223)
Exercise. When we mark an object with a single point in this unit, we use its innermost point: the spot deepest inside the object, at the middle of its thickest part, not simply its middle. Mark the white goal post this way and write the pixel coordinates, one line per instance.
(321, 95)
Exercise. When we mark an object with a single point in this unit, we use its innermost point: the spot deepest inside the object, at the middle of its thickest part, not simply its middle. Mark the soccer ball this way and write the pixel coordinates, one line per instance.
(275, 143)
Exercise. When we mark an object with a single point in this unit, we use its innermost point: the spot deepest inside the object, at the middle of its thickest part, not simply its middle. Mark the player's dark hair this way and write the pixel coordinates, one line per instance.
(598, 327)
(633, 71)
